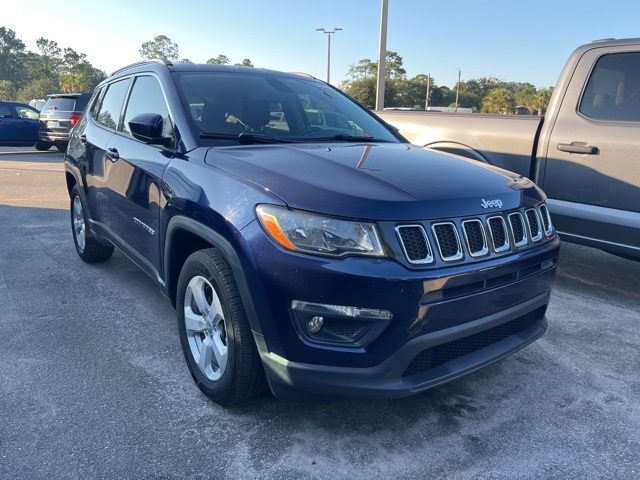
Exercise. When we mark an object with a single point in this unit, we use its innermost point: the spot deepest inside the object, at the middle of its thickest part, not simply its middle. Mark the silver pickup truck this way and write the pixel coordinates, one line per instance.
(584, 153)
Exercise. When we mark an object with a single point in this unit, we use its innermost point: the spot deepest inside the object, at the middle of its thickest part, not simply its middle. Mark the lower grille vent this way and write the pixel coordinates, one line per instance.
(441, 354)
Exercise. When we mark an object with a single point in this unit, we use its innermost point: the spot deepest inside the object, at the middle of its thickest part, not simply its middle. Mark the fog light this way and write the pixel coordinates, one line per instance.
(315, 324)
(338, 325)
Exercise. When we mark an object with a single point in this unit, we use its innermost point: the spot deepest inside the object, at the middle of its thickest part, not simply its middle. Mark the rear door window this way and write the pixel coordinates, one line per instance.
(5, 111)
(109, 111)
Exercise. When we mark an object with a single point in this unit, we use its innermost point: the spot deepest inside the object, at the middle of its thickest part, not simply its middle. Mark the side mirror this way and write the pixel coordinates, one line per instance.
(147, 127)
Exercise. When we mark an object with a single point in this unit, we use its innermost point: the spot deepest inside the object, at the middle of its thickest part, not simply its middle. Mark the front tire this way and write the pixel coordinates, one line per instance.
(88, 248)
(42, 146)
(214, 331)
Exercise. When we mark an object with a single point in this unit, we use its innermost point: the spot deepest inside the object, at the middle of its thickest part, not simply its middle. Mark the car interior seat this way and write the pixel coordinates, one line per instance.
(255, 113)
(213, 119)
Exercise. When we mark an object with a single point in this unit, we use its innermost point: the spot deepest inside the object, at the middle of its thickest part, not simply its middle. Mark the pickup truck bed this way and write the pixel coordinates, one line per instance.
(464, 134)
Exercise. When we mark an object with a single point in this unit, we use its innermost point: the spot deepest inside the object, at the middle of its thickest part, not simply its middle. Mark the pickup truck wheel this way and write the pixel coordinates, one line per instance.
(88, 248)
(214, 331)
(42, 146)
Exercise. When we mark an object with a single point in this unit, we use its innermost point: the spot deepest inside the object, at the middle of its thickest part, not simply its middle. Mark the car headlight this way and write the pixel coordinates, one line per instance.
(312, 233)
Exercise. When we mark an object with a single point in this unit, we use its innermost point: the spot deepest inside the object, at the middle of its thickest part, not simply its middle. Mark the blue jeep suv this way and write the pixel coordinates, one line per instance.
(314, 260)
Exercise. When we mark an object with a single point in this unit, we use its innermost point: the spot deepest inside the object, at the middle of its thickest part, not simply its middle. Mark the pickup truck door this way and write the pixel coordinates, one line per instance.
(592, 170)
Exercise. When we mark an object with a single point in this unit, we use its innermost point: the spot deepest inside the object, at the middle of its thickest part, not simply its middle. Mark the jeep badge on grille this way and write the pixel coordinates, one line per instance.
(491, 203)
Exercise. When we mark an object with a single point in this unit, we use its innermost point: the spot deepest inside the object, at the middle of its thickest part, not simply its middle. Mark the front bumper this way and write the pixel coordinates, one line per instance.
(413, 368)
(446, 322)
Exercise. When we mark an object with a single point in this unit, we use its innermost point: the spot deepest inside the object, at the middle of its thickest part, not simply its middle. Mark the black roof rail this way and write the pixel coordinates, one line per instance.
(162, 61)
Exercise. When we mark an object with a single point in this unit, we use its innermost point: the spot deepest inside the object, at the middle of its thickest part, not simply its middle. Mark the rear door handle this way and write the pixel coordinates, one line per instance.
(578, 147)
(113, 154)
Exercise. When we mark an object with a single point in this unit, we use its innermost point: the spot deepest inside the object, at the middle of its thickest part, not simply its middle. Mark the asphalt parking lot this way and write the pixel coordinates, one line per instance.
(93, 383)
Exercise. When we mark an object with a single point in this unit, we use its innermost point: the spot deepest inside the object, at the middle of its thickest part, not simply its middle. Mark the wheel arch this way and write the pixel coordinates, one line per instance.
(185, 236)
(71, 181)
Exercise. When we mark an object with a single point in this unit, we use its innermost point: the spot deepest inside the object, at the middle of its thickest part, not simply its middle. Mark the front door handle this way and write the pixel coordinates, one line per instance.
(578, 147)
(113, 154)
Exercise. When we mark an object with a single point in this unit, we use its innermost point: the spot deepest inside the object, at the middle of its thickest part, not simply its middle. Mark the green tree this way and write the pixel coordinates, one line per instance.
(39, 88)
(7, 90)
(542, 99)
(245, 63)
(364, 69)
(50, 57)
(498, 100)
(219, 60)
(12, 54)
(364, 91)
(526, 97)
(160, 47)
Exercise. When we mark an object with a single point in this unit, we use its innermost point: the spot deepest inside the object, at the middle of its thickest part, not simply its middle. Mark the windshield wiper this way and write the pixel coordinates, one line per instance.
(346, 137)
(245, 138)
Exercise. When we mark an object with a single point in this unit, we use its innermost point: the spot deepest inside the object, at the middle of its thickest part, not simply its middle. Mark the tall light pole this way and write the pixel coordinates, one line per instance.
(328, 48)
(458, 91)
(382, 57)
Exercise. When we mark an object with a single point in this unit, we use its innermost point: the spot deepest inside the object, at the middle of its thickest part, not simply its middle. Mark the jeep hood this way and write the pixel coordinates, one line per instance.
(375, 181)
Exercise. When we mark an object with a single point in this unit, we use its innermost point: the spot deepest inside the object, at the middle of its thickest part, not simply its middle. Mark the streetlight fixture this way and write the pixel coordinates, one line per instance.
(328, 48)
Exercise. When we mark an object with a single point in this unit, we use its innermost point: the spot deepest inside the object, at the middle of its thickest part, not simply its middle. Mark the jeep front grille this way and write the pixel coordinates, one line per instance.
(546, 219)
(415, 244)
(498, 232)
(534, 224)
(518, 229)
(447, 240)
(487, 235)
(475, 237)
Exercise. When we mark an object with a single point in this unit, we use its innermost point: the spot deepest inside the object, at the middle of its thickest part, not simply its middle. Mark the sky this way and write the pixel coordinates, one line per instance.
(512, 40)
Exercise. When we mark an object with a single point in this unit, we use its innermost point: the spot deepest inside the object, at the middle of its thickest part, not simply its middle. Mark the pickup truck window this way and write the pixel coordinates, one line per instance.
(613, 90)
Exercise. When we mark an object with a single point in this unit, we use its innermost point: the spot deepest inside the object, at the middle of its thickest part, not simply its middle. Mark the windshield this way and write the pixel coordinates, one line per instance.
(272, 109)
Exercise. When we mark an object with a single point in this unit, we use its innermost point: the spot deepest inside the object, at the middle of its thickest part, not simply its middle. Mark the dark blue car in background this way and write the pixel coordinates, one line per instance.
(318, 258)
(18, 124)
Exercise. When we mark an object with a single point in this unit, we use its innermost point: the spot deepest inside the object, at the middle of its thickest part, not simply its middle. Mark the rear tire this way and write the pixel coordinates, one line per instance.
(216, 338)
(88, 248)
(43, 147)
